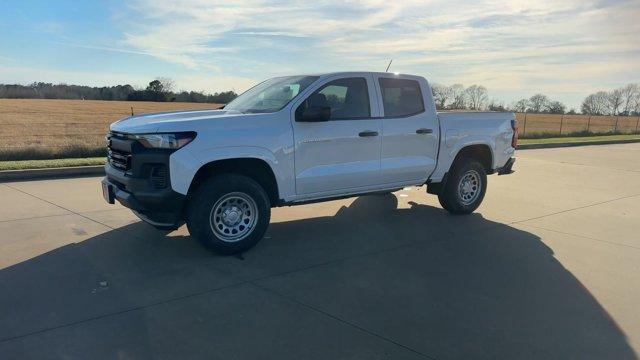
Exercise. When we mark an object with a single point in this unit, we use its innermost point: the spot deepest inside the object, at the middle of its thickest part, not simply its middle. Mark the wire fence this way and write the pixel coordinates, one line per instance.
(536, 125)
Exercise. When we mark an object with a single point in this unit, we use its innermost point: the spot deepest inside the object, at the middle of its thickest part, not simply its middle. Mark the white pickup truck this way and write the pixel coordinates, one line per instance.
(299, 139)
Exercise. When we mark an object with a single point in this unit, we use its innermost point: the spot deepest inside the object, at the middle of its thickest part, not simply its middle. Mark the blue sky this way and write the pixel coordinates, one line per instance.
(566, 49)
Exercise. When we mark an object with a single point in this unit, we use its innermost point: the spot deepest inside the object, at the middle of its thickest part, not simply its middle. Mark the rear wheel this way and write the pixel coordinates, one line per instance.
(229, 213)
(465, 187)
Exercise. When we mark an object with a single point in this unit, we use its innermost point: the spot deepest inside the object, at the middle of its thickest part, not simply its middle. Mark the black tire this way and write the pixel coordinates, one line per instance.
(464, 201)
(235, 189)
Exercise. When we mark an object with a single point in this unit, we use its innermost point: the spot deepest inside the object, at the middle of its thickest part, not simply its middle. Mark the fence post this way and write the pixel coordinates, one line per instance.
(561, 121)
(588, 123)
(524, 126)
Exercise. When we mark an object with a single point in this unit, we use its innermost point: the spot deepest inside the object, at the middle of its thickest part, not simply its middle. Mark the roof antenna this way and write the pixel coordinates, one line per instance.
(388, 66)
(132, 111)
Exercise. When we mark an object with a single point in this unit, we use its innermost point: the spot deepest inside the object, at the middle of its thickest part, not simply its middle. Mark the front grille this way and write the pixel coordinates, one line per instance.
(119, 160)
(118, 157)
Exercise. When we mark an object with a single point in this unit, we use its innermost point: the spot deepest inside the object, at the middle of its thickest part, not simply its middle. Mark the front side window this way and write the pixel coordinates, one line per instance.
(270, 95)
(401, 97)
(347, 98)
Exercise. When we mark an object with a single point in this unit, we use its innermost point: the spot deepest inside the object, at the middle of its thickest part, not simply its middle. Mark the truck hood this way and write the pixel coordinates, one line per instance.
(156, 122)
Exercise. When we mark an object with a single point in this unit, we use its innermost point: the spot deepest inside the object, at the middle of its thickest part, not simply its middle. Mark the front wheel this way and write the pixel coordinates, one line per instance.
(464, 188)
(229, 213)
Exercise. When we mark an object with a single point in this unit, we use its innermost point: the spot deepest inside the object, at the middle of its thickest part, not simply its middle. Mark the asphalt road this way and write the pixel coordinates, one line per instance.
(548, 267)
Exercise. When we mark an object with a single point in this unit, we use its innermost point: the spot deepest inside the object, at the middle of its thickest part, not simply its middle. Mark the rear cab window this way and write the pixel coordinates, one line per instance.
(401, 97)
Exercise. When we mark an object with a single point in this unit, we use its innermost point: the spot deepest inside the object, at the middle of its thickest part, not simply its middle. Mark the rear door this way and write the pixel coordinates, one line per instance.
(409, 129)
(342, 154)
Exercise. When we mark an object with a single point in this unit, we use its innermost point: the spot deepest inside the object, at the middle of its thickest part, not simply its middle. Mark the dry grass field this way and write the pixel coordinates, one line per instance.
(35, 128)
(63, 123)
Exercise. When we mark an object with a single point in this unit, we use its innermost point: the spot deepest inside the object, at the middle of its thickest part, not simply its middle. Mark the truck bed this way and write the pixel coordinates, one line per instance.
(494, 129)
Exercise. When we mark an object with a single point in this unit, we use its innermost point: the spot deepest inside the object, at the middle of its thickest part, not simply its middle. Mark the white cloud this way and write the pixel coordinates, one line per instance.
(186, 31)
(104, 48)
(189, 31)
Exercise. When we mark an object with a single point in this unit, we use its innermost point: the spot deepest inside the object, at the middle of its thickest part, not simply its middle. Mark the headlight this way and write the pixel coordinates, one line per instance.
(164, 141)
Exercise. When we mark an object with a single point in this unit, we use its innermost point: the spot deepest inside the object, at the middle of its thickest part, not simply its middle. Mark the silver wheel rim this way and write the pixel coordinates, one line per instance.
(469, 187)
(233, 217)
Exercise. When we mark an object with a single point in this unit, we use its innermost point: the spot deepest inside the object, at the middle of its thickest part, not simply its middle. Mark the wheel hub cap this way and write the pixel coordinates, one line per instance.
(233, 216)
(469, 187)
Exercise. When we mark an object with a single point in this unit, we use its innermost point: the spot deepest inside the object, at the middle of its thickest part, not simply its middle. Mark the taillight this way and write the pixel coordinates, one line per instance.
(514, 139)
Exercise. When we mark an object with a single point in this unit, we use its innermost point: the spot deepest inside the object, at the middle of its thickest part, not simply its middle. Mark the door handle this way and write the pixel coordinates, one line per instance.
(424, 131)
(368, 133)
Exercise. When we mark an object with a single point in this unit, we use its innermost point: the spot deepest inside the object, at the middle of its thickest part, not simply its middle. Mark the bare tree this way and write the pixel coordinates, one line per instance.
(441, 95)
(538, 103)
(458, 94)
(615, 101)
(477, 96)
(596, 104)
(555, 107)
(520, 106)
(630, 93)
(602, 102)
(167, 84)
(495, 105)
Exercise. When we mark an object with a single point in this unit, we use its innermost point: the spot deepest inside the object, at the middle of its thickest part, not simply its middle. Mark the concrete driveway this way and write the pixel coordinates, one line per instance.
(548, 267)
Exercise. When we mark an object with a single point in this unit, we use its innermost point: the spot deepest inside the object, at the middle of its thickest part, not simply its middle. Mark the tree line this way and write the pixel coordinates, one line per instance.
(620, 102)
(160, 89)
(457, 97)
(476, 97)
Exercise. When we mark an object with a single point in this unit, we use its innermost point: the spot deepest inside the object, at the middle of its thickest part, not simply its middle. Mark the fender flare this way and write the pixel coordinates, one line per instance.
(450, 149)
(182, 174)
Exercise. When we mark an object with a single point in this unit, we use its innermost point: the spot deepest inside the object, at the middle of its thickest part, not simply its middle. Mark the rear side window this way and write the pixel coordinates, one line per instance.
(401, 97)
(348, 98)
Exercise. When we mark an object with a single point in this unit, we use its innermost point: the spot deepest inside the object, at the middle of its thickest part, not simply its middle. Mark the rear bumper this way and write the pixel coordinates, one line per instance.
(507, 168)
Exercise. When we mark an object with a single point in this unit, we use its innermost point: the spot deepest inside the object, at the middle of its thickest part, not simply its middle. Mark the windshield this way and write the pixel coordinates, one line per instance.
(270, 95)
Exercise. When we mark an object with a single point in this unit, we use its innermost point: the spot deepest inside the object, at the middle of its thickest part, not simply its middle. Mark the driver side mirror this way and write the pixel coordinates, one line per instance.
(315, 114)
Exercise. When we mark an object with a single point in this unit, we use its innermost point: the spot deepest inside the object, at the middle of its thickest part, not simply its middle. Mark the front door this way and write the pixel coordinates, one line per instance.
(341, 154)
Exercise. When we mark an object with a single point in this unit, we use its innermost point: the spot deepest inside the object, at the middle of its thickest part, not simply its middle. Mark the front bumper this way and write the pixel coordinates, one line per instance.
(144, 185)
(159, 207)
